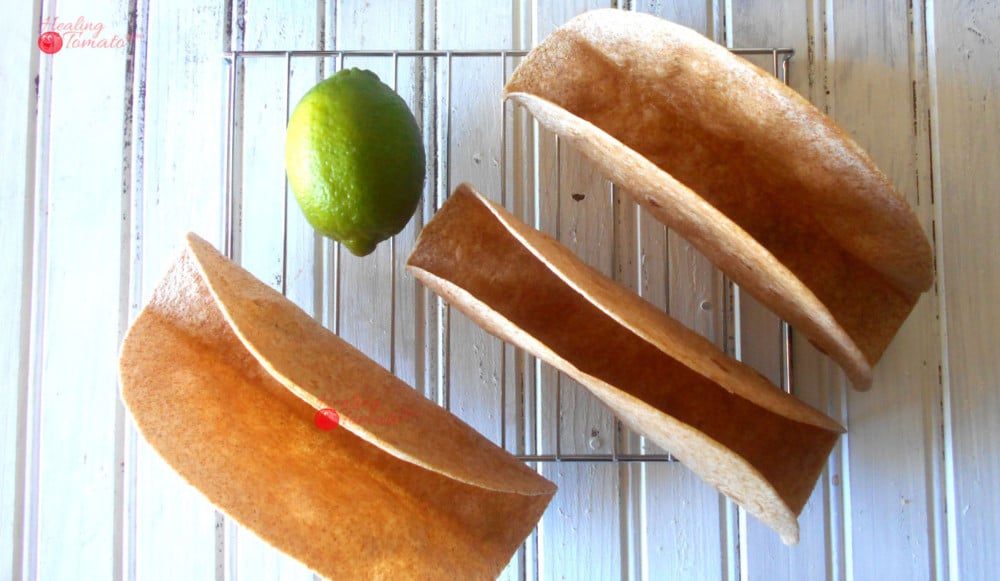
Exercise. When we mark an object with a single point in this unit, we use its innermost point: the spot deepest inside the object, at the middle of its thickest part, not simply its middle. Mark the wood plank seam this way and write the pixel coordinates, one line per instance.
(948, 559)
(130, 284)
(925, 136)
(24, 441)
(28, 447)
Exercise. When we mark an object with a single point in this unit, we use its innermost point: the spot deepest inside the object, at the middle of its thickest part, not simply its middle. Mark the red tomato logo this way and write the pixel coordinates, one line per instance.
(326, 419)
(50, 42)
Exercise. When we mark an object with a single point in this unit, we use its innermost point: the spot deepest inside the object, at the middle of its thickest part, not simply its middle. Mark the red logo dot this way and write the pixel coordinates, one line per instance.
(326, 419)
(50, 42)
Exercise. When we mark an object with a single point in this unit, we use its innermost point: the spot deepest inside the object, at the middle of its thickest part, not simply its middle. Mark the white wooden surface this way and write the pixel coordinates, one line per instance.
(109, 155)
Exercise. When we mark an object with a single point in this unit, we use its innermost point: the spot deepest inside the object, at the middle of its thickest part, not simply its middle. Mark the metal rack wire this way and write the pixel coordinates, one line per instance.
(443, 65)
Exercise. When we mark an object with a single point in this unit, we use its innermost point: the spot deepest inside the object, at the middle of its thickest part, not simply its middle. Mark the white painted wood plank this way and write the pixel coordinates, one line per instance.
(175, 527)
(874, 99)
(678, 507)
(576, 207)
(520, 369)
(586, 226)
(475, 358)
(395, 301)
(409, 297)
(83, 268)
(470, 113)
(579, 202)
(477, 367)
(365, 309)
(276, 243)
(376, 25)
(576, 541)
(766, 24)
(966, 85)
(127, 435)
(641, 265)
(273, 228)
(815, 377)
(260, 181)
(473, 25)
(685, 519)
(18, 69)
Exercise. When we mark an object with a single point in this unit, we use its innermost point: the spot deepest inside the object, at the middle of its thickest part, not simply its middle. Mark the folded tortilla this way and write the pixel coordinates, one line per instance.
(223, 377)
(766, 186)
(760, 446)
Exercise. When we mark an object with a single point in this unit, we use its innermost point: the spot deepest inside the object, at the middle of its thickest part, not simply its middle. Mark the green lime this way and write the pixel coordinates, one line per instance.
(355, 159)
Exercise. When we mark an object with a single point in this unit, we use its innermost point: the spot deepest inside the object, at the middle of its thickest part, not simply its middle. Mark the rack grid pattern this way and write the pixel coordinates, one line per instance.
(435, 72)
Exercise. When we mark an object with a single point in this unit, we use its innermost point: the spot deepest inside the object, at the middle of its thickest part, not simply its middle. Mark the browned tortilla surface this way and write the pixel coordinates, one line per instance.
(757, 444)
(424, 497)
(678, 120)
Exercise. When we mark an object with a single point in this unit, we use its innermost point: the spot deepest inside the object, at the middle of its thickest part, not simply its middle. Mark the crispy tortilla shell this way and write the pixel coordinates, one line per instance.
(223, 376)
(740, 433)
(771, 190)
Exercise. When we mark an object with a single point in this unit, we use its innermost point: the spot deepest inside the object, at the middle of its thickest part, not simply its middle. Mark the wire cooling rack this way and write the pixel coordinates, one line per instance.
(436, 75)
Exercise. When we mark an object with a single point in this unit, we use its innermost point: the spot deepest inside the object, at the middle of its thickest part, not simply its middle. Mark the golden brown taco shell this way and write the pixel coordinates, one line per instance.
(760, 446)
(770, 189)
(223, 376)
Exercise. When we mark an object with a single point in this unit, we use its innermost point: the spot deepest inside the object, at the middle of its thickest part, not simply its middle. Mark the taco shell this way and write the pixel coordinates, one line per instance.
(770, 189)
(760, 446)
(224, 376)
